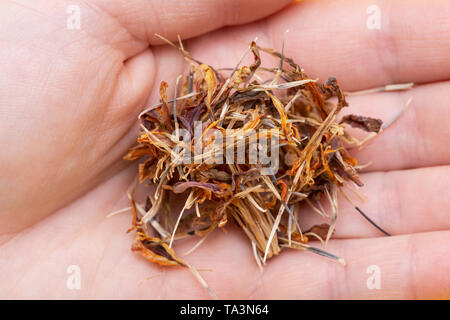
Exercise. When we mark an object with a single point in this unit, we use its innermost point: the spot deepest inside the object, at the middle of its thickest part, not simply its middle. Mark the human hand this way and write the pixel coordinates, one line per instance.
(70, 99)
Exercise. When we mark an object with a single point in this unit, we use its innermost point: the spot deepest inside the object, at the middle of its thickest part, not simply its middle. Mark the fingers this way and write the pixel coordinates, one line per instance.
(412, 266)
(332, 38)
(404, 267)
(418, 138)
(189, 18)
(410, 45)
(400, 202)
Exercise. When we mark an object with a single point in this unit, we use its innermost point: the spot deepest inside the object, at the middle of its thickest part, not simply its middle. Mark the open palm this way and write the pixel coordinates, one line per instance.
(69, 100)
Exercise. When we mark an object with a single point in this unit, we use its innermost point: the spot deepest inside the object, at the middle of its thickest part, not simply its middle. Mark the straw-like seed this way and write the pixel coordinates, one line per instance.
(246, 148)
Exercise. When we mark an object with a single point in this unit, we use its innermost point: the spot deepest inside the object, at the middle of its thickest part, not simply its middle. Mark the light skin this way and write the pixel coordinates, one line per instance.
(69, 100)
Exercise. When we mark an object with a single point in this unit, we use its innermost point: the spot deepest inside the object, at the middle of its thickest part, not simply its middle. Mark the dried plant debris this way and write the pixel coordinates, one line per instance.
(248, 149)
